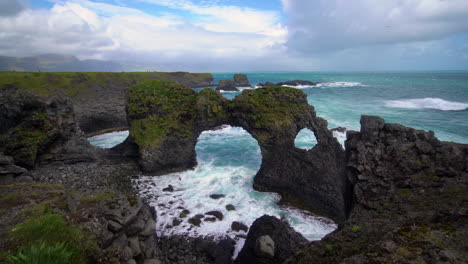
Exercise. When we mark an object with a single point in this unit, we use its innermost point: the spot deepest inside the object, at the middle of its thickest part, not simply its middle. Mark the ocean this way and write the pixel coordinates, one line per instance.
(229, 158)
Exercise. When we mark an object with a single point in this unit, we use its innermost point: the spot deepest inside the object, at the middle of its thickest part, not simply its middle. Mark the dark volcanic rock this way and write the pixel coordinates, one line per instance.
(227, 85)
(169, 188)
(196, 220)
(238, 226)
(339, 129)
(39, 130)
(241, 80)
(230, 207)
(220, 252)
(216, 214)
(408, 186)
(217, 196)
(286, 241)
(312, 179)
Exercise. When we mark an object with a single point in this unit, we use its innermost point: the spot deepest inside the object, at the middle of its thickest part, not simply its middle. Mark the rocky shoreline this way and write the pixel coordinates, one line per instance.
(398, 193)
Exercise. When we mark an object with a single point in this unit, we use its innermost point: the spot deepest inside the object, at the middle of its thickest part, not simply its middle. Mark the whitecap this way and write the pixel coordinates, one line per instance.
(339, 84)
(427, 103)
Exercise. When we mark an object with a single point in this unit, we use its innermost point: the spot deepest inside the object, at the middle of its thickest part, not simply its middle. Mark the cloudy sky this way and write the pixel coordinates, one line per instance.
(244, 35)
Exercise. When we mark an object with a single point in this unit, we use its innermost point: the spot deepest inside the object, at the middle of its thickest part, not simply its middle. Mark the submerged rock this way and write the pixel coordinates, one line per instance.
(289, 83)
(230, 207)
(196, 220)
(238, 226)
(169, 188)
(217, 196)
(216, 214)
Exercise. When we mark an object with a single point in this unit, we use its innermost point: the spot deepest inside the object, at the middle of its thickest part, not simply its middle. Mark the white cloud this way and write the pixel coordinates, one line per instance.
(321, 25)
(104, 31)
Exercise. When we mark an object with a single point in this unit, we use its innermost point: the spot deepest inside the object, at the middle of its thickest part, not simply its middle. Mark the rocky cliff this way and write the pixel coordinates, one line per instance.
(410, 193)
(98, 97)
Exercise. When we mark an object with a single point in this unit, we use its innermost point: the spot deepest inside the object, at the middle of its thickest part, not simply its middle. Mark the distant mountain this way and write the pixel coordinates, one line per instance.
(57, 63)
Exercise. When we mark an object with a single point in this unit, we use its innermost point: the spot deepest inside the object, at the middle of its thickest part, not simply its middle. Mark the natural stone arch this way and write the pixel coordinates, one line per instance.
(166, 119)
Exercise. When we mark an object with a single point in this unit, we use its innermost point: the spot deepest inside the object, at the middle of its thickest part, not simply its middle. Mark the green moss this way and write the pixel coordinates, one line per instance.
(132, 200)
(76, 83)
(328, 249)
(405, 191)
(356, 228)
(273, 107)
(159, 108)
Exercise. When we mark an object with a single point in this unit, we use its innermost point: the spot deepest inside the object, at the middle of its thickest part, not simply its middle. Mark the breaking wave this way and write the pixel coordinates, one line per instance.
(427, 103)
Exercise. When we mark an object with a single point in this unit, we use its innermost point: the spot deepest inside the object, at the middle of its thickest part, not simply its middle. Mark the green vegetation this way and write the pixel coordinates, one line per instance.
(56, 254)
(272, 107)
(356, 228)
(75, 83)
(103, 196)
(328, 249)
(405, 191)
(158, 108)
(24, 141)
(48, 235)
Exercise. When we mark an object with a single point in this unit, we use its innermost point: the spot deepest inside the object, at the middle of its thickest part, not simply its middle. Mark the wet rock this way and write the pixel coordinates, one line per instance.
(169, 188)
(217, 196)
(184, 213)
(176, 222)
(230, 207)
(216, 214)
(238, 226)
(196, 220)
(210, 219)
(265, 247)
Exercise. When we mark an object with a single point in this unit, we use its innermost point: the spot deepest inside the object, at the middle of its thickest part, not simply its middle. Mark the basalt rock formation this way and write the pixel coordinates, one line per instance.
(289, 83)
(166, 119)
(37, 130)
(241, 80)
(410, 193)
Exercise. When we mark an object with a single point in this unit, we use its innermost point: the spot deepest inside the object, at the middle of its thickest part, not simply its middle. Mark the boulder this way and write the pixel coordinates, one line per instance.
(241, 80)
(265, 247)
(269, 240)
(238, 226)
(227, 85)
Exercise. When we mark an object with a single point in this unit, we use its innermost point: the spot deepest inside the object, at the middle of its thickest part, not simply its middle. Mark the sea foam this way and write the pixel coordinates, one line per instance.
(228, 161)
(427, 103)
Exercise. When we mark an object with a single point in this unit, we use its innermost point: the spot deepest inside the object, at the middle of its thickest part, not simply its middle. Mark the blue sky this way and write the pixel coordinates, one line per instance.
(244, 35)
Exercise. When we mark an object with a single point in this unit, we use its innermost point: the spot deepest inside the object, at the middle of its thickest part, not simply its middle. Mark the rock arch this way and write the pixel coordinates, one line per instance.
(166, 119)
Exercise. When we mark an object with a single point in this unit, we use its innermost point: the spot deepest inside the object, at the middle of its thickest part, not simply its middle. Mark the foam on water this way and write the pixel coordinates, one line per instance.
(427, 103)
(339, 84)
(228, 160)
(108, 140)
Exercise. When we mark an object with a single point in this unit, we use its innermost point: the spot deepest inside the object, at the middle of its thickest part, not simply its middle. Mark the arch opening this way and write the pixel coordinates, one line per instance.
(305, 139)
(109, 140)
(207, 201)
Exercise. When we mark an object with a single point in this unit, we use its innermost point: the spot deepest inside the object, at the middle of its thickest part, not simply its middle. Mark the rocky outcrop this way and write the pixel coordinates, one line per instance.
(409, 199)
(38, 130)
(121, 226)
(241, 80)
(227, 86)
(289, 83)
(269, 240)
(166, 120)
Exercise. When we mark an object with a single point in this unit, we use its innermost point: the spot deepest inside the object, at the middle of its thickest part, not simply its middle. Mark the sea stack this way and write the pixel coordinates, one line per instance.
(227, 85)
(241, 80)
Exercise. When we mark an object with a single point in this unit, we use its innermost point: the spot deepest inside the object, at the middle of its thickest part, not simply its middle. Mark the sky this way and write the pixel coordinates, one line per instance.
(244, 35)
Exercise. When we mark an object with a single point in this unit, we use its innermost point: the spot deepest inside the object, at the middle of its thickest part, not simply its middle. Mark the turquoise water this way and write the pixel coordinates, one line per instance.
(229, 158)
(441, 103)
